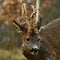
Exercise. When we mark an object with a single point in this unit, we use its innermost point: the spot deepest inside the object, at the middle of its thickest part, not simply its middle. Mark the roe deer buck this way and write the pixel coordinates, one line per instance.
(39, 44)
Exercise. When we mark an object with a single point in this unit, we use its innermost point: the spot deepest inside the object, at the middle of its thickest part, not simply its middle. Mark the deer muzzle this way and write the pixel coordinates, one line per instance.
(34, 50)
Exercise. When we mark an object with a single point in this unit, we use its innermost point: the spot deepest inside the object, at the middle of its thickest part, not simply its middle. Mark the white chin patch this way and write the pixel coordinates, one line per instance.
(33, 53)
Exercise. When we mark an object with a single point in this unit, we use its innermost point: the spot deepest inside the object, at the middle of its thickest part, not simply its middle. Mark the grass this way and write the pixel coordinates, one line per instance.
(11, 55)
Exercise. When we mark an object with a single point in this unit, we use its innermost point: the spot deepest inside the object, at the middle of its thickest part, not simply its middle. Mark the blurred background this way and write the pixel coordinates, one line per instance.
(10, 40)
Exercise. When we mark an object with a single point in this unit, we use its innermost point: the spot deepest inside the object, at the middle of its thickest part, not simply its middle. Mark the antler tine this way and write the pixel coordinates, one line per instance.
(34, 11)
(24, 10)
(33, 7)
(24, 15)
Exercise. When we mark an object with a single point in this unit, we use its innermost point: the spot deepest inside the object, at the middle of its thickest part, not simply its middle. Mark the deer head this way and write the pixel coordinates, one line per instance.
(29, 30)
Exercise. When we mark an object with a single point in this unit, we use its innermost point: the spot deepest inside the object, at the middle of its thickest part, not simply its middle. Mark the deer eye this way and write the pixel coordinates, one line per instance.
(28, 39)
(38, 40)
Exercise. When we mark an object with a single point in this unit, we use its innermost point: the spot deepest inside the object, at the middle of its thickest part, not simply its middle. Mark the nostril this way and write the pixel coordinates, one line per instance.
(35, 50)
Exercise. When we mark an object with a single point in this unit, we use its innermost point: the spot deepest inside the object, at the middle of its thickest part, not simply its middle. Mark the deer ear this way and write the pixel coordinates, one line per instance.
(39, 23)
(24, 10)
(22, 28)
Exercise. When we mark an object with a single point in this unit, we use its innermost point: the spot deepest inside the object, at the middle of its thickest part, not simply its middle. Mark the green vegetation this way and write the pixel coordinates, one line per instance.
(11, 55)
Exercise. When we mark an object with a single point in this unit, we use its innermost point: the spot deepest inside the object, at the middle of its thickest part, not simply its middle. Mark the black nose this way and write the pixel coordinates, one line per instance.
(34, 50)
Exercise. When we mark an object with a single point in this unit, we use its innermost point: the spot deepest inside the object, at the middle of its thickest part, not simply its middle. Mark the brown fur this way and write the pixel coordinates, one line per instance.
(46, 39)
(50, 35)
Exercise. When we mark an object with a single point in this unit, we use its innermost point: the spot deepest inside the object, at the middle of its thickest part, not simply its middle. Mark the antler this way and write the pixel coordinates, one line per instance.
(27, 23)
(34, 12)
(24, 11)
(24, 24)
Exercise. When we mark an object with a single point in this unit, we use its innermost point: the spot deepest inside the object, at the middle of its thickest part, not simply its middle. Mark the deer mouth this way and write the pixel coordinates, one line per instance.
(34, 53)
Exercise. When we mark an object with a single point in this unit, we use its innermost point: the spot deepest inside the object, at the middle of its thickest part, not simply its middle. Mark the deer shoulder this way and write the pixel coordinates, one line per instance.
(50, 34)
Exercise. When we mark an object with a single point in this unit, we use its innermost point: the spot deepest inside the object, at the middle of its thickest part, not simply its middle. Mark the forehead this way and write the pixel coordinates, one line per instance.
(32, 34)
